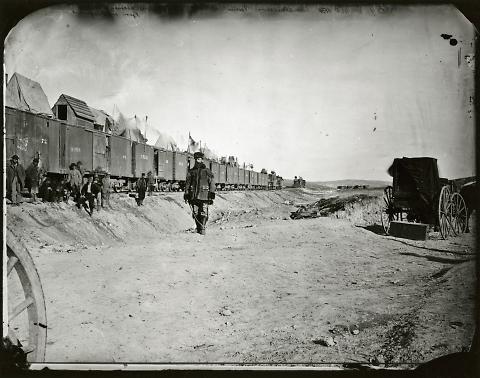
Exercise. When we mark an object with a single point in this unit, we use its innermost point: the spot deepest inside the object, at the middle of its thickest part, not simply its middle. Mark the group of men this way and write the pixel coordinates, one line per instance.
(85, 191)
(92, 194)
(199, 187)
(18, 178)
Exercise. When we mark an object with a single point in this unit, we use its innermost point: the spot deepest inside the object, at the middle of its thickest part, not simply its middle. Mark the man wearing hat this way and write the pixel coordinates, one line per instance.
(32, 180)
(15, 180)
(199, 191)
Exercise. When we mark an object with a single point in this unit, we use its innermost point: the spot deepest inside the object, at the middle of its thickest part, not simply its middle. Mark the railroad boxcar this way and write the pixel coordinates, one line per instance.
(235, 176)
(100, 158)
(252, 179)
(142, 159)
(181, 163)
(58, 144)
(263, 180)
(29, 136)
(215, 168)
(272, 180)
(230, 178)
(120, 159)
(222, 175)
(78, 145)
(164, 165)
(241, 177)
(247, 178)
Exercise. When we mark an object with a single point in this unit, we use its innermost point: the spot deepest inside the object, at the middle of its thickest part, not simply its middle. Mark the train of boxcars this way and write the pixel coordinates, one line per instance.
(58, 144)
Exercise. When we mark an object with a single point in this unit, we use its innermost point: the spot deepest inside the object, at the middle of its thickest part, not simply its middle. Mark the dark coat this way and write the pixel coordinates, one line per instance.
(199, 182)
(141, 184)
(95, 189)
(33, 175)
(15, 171)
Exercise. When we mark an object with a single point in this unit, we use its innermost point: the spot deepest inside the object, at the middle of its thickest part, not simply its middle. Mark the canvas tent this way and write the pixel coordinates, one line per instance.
(130, 128)
(103, 121)
(166, 142)
(25, 94)
(210, 154)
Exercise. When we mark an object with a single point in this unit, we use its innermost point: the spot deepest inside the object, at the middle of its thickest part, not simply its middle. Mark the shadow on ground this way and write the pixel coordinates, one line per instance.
(375, 228)
(442, 260)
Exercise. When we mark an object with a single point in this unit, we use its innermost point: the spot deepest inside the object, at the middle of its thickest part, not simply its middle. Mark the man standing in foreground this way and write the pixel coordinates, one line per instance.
(15, 180)
(199, 191)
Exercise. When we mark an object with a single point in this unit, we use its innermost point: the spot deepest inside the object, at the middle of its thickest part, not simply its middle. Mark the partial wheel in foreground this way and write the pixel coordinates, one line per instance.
(27, 317)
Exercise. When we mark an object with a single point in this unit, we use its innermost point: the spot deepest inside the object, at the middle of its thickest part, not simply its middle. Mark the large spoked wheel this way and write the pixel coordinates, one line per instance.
(459, 214)
(388, 211)
(27, 317)
(445, 212)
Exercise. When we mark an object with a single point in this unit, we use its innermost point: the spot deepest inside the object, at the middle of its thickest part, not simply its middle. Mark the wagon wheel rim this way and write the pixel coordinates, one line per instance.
(20, 262)
(388, 211)
(444, 212)
(459, 214)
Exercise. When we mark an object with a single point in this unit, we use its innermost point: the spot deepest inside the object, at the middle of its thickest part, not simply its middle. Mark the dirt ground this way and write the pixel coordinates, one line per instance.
(135, 284)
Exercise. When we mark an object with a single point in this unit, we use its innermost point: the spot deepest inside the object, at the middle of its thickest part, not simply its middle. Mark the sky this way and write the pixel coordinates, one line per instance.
(321, 92)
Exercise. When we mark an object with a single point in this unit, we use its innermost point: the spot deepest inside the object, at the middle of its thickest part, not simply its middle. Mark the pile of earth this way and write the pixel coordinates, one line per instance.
(327, 206)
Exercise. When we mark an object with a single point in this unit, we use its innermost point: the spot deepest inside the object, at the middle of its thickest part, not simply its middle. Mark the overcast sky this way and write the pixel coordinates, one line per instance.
(323, 93)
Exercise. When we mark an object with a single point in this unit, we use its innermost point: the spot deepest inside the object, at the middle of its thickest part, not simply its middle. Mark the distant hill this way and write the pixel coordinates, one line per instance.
(352, 182)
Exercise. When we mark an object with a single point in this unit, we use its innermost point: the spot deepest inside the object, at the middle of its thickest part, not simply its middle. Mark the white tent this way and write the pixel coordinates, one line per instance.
(25, 94)
(130, 128)
(166, 142)
(103, 119)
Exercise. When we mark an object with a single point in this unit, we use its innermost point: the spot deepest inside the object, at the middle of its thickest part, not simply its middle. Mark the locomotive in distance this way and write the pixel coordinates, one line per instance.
(60, 138)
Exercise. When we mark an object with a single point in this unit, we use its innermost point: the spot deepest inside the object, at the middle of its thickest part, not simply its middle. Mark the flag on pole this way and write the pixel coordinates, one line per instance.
(192, 145)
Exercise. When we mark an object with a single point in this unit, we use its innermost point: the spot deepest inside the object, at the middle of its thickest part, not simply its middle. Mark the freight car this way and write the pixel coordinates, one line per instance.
(58, 144)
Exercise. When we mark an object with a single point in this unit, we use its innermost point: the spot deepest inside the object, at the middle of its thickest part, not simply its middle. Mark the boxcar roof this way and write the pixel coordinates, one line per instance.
(101, 116)
(79, 107)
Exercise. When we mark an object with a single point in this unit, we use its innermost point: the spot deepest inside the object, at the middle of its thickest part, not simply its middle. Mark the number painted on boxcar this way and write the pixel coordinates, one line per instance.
(22, 143)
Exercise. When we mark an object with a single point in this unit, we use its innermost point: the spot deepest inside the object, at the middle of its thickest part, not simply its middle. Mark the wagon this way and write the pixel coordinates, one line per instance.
(27, 318)
(419, 195)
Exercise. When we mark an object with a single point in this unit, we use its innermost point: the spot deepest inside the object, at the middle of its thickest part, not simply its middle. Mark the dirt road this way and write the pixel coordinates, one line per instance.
(258, 288)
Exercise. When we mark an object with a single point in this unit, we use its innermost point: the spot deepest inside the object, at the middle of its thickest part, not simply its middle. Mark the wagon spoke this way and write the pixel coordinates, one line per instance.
(12, 260)
(18, 309)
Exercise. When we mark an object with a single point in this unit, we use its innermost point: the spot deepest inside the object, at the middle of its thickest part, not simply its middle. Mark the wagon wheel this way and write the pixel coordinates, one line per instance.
(459, 214)
(445, 212)
(388, 212)
(34, 338)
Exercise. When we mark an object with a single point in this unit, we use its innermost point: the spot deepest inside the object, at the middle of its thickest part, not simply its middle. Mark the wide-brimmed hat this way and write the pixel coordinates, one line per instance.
(197, 155)
(15, 157)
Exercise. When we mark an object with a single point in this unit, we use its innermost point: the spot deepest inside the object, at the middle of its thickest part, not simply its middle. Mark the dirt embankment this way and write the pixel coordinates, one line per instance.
(63, 227)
